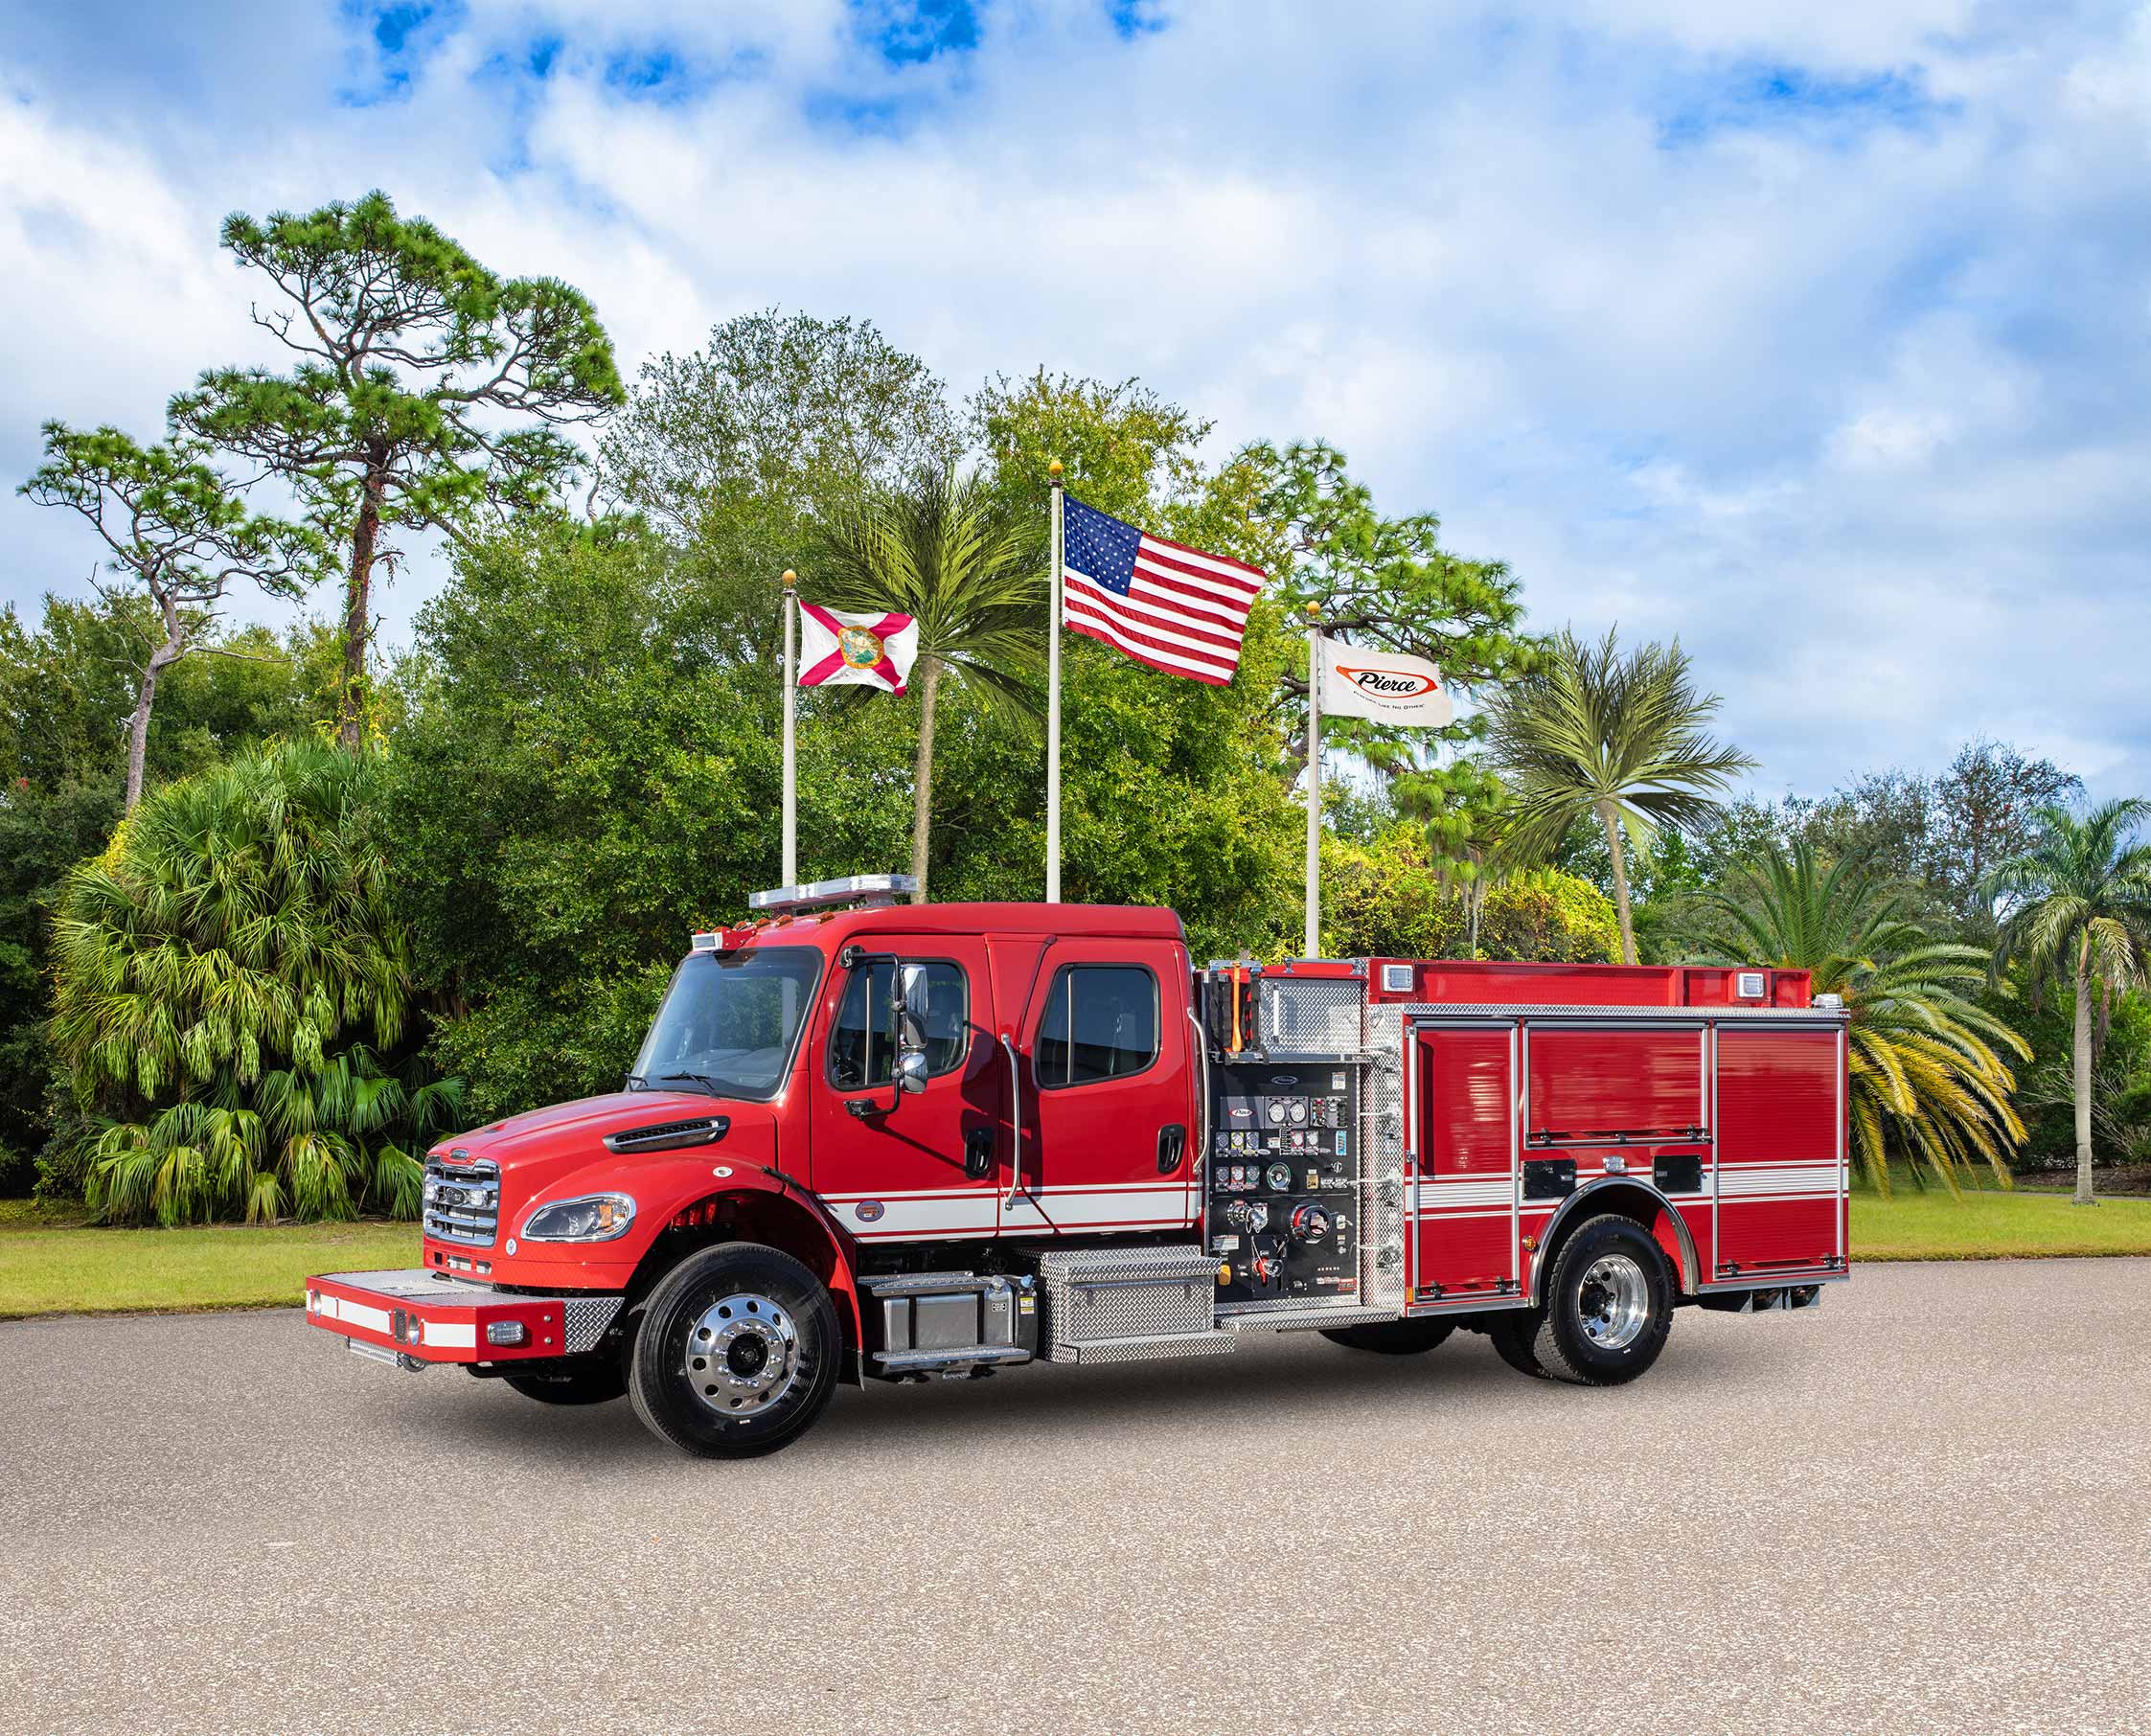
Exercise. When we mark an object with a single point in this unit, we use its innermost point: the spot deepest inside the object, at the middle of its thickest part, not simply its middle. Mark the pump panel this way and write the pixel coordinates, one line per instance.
(1281, 1185)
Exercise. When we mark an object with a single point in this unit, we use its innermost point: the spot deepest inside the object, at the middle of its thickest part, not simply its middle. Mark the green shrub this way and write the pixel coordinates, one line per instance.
(1386, 898)
(218, 973)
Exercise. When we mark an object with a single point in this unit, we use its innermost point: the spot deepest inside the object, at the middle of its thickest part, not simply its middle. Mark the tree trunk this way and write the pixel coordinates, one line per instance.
(922, 775)
(2084, 1084)
(1609, 816)
(145, 697)
(358, 595)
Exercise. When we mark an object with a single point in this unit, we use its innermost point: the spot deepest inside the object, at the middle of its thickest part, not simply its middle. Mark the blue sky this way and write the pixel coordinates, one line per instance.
(1817, 334)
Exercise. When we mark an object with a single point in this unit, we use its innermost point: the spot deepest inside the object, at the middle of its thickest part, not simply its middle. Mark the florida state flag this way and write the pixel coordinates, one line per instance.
(839, 647)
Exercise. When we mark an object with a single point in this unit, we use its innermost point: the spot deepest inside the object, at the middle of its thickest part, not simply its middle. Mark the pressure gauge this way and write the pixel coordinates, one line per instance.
(1279, 1177)
(1299, 1111)
(1277, 1109)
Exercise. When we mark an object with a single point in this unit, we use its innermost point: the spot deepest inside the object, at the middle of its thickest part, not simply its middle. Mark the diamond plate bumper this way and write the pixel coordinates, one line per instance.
(428, 1318)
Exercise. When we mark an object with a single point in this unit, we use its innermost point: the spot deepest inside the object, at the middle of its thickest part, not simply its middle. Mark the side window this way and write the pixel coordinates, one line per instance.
(1101, 1022)
(863, 1040)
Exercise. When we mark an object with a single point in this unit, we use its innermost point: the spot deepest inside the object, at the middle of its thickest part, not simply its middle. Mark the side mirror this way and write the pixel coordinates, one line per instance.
(911, 1011)
(910, 1070)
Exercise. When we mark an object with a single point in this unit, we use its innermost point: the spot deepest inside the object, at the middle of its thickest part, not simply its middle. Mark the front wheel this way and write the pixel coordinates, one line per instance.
(1608, 1305)
(738, 1353)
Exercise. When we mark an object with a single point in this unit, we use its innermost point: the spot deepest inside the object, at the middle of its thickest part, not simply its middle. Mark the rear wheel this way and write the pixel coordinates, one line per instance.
(1391, 1337)
(603, 1381)
(1515, 1333)
(738, 1353)
(1608, 1305)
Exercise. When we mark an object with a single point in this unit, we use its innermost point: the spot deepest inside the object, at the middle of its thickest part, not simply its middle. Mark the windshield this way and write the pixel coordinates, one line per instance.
(729, 1021)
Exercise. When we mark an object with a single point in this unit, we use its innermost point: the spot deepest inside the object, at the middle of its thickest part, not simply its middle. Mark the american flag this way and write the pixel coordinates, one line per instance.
(1164, 604)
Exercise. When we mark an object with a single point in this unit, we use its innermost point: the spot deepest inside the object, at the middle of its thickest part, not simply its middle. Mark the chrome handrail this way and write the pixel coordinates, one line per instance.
(1202, 1098)
(1015, 1122)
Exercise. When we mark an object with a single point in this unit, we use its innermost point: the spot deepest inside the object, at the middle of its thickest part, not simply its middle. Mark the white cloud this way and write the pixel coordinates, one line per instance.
(1814, 335)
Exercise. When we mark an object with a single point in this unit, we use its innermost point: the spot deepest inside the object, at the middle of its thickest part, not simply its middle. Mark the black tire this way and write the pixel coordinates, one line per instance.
(1515, 1333)
(775, 1345)
(1391, 1337)
(602, 1380)
(1608, 1305)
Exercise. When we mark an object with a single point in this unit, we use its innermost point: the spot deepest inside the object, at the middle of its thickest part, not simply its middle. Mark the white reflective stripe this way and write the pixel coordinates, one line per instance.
(452, 1336)
(968, 1193)
(356, 1314)
(1069, 1207)
(1739, 1179)
(1439, 1195)
(974, 1215)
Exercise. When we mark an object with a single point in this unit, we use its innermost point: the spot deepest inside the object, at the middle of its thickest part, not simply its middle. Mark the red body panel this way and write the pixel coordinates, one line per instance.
(1780, 1150)
(1464, 1184)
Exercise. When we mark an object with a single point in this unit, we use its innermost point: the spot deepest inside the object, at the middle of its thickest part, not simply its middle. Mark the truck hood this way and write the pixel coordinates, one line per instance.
(559, 1152)
(582, 1125)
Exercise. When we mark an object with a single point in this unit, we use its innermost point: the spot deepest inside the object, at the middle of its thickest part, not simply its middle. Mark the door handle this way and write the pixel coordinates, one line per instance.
(978, 1152)
(1172, 1145)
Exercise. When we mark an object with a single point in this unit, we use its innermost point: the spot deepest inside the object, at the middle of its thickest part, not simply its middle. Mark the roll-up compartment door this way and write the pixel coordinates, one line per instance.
(1617, 1086)
(1464, 1185)
(1781, 1175)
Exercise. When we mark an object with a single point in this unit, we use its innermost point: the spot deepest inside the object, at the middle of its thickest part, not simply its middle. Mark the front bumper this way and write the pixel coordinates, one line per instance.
(421, 1317)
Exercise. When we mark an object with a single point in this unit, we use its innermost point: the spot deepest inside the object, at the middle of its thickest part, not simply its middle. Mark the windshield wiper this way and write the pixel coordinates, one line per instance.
(703, 1080)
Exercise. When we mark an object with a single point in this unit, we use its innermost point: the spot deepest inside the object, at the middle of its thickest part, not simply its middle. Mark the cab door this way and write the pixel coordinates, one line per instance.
(1108, 1109)
(914, 1166)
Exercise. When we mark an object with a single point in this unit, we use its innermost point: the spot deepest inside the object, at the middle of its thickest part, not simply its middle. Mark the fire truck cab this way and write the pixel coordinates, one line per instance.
(871, 1140)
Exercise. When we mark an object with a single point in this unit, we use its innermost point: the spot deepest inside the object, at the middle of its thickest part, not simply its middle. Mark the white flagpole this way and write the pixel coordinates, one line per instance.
(1313, 947)
(791, 875)
(1052, 705)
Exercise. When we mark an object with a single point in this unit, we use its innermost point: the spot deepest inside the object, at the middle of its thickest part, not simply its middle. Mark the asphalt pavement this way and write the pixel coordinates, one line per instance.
(1925, 1506)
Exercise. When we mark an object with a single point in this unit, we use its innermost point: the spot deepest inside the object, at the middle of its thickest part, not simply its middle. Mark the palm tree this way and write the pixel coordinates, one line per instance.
(2079, 909)
(215, 972)
(1923, 1073)
(947, 553)
(1622, 737)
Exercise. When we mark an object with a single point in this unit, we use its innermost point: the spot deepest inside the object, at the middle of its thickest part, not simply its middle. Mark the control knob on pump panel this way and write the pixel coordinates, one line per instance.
(1310, 1222)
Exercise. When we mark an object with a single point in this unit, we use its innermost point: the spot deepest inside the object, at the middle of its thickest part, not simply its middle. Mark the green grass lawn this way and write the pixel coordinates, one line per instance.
(51, 1264)
(1988, 1224)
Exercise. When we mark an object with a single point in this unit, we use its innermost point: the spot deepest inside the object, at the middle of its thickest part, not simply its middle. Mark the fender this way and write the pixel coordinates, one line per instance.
(677, 1192)
(1690, 1268)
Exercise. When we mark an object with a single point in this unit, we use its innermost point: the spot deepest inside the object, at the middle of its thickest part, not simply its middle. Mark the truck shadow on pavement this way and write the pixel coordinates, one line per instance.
(1306, 1378)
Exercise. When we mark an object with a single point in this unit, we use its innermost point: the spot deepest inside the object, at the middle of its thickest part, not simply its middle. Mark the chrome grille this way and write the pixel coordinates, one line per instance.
(462, 1201)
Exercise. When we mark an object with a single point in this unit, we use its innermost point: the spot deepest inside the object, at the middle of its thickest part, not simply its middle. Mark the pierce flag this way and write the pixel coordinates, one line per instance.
(1386, 687)
(842, 647)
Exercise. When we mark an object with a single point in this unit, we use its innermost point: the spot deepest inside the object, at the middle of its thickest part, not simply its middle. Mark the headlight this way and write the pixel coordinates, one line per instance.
(594, 1218)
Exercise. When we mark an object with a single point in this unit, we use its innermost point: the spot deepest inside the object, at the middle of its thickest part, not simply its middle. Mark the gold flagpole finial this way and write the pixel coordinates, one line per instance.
(1314, 611)
(1053, 469)
(790, 578)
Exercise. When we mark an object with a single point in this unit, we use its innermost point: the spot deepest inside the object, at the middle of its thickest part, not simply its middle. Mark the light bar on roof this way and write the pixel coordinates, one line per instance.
(852, 889)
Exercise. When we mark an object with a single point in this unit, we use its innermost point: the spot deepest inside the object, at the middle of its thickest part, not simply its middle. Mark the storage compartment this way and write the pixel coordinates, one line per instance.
(1118, 1304)
(930, 1322)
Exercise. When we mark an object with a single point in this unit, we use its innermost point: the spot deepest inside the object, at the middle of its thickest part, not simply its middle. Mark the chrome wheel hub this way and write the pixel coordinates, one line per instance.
(1613, 1302)
(741, 1356)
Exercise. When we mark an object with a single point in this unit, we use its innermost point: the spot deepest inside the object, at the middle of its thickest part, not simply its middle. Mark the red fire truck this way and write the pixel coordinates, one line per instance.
(867, 1140)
